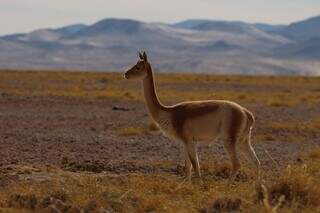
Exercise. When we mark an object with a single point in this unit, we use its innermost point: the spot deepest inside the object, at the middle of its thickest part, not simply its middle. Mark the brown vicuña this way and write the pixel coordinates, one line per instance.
(194, 121)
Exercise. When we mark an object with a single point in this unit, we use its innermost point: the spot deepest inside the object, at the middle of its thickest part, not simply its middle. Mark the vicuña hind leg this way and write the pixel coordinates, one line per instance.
(230, 146)
(250, 153)
(193, 156)
(187, 164)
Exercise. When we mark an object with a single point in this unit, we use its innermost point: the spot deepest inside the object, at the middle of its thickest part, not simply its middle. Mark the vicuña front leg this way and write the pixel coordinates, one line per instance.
(230, 146)
(193, 156)
(187, 164)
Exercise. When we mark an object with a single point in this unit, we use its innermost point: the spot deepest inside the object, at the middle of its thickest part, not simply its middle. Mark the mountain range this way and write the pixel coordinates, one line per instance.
(199, 46)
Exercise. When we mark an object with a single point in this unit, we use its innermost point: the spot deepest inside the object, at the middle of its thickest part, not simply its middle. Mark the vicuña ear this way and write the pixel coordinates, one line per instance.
(145, 56)
(140, 55)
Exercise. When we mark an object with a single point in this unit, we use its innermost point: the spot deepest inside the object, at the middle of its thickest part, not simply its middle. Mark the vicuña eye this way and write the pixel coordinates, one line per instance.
(138, 68)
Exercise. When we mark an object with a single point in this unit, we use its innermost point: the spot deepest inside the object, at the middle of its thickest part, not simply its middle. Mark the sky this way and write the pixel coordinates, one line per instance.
(27, 15)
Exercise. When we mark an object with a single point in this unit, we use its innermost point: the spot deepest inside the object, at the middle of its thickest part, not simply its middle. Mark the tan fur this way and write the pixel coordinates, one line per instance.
(183, 125)
(190, 122)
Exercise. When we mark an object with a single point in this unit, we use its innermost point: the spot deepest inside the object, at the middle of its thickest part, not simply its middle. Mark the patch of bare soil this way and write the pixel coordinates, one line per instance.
(83, 135)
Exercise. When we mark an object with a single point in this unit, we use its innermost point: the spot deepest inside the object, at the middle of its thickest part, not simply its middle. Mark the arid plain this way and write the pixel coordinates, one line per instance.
(83, 141)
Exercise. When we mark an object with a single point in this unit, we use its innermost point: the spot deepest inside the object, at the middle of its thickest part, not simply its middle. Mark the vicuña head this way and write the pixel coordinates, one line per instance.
(193, 121)
(140, 69)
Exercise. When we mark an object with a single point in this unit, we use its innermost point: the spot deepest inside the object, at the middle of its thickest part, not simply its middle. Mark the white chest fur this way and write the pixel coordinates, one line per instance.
(165, 125)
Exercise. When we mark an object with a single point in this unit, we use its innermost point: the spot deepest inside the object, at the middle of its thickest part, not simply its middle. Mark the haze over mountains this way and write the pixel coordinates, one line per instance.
(204, 46)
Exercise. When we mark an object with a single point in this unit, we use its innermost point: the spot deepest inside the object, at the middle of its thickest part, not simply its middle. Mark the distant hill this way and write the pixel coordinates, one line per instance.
(309, 49)
(189, 46)
(302, 30)
(225, 25)
(46, 34)
(71, 29)
(268, 27)
(208, 25)
(111, 26)
(189, 24)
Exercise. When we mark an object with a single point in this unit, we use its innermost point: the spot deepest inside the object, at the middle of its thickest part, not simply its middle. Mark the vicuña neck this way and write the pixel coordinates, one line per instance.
(150, 95)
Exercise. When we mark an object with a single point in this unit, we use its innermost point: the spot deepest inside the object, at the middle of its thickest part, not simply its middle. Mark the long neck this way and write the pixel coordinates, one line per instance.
(150, 95)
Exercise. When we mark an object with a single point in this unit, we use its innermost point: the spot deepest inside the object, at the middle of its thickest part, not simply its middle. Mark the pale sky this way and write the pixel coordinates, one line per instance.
(26, 15)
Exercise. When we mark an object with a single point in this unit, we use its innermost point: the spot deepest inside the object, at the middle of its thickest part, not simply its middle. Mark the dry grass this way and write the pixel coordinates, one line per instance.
(126, 193)
(290, 91)
(137, 130)
(131, 131)
(315, 153)
(292, 130)
(152, 126)
(299, 188)
(137, 192)
(311, 127)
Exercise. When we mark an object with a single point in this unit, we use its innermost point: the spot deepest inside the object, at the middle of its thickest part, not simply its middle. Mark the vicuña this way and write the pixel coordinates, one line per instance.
(193, 121)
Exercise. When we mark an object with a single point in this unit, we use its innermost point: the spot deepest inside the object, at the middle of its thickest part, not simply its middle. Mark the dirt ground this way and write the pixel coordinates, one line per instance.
(55, 130)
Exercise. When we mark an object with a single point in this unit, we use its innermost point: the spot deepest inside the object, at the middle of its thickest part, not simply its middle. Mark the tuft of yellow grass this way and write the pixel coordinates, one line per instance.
(278, 103)
(298, 187)
(152, 126)
(131, 131)
(315, 153)
(311, 127)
